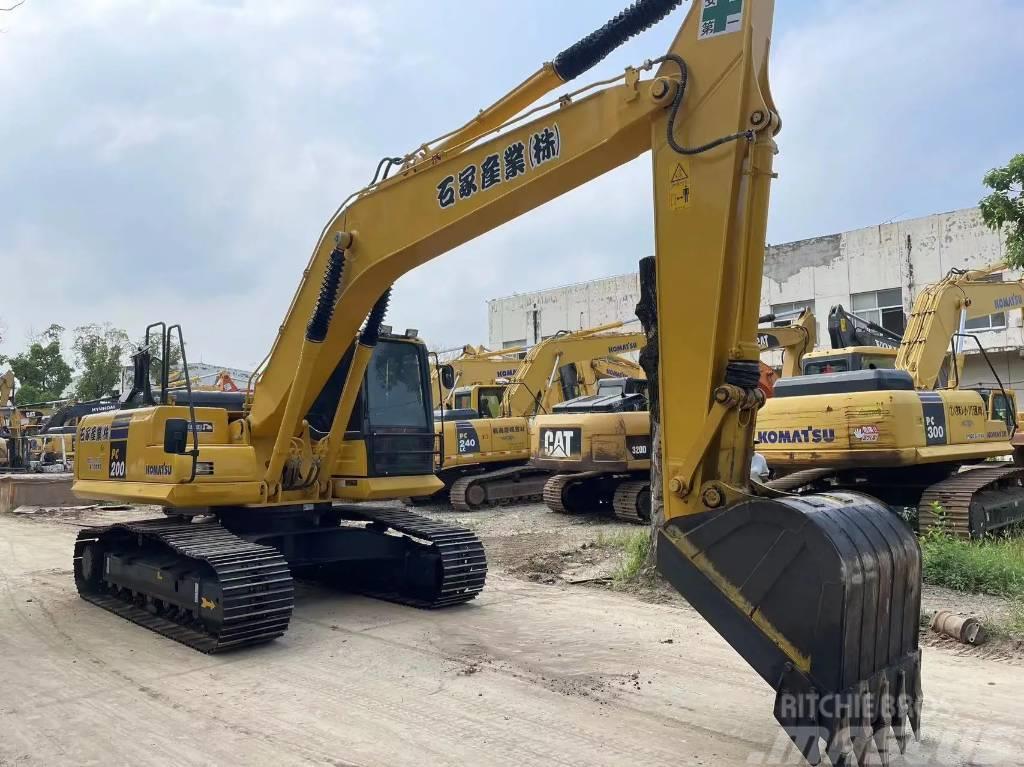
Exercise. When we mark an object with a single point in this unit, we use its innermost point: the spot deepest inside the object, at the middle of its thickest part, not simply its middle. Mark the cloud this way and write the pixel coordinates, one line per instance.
(891, 110)
(176, 159)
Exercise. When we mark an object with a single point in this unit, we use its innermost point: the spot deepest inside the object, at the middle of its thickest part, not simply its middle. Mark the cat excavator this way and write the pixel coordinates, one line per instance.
(598, 447)
(485, 439)
(906, 435)
(819, 594)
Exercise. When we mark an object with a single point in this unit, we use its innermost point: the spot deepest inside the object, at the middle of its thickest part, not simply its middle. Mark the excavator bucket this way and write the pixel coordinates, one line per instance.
(821, 596)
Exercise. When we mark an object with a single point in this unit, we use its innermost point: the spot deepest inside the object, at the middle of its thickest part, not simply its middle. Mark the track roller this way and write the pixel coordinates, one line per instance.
(820, 594)
(197, 584)
(632, 502)
(513, 484)
(580, 493)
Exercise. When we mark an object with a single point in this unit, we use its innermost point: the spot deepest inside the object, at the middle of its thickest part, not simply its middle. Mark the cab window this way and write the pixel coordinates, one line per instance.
(1002, 409)
(490, 401)
(830, 365)
(463, 400)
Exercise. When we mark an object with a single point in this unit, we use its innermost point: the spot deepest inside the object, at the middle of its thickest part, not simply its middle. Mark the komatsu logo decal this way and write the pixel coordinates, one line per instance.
(505, 373)
(810, 435)
(1008, 302)
(628, 347)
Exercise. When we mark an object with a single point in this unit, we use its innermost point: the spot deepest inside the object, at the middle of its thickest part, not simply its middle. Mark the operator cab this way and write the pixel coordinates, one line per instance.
(478, 401)
(850, 358)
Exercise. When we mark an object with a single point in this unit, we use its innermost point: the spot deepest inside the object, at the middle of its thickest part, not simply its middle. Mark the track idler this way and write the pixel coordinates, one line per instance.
(821, 595)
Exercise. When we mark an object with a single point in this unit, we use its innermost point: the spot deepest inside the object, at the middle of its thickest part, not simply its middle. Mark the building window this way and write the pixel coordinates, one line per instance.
(787, 312)
(518, 343)
(882, 307)
(995, 321)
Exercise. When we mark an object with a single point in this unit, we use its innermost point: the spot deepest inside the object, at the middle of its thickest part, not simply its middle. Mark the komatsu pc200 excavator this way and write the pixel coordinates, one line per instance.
(599, 447)
(904, 434)
(819, 594)
(485, 439)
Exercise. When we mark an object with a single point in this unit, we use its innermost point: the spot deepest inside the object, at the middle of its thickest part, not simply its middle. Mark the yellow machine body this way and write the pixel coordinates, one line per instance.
(907, 422)
(120, 456)
(886, 428)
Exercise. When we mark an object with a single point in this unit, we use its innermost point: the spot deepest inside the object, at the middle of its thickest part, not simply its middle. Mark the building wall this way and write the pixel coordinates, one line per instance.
(824, 270)
(525, 318)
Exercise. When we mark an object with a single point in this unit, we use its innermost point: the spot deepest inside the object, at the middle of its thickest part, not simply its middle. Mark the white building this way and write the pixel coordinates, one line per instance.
(875, 272)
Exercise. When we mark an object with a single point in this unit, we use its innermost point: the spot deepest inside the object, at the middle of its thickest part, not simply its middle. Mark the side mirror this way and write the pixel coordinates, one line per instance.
(447, 376)
(176, 436)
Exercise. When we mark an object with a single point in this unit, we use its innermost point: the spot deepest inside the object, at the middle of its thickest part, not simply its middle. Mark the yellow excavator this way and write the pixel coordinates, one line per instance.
(485, 439)
(819, 594)
(473, 366)
(7, 381)
(598, 447)
(905, 435)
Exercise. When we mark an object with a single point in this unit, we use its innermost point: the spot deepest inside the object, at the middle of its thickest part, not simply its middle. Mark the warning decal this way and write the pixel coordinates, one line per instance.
(679, 187)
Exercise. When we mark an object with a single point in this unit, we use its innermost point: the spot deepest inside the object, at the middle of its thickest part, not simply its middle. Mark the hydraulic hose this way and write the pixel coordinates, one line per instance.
(638, 17)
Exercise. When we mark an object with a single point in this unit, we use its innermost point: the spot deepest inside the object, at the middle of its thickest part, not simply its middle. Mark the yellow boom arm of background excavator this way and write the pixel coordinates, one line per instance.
(535, 386)
(939, 314)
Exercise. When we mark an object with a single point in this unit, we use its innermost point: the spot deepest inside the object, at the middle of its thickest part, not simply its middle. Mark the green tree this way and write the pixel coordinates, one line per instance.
(156, 353)
(99, 353)
(1004, 208)
(41, 369)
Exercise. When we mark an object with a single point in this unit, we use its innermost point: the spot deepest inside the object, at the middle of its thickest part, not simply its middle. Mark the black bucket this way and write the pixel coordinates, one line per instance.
(821, 595)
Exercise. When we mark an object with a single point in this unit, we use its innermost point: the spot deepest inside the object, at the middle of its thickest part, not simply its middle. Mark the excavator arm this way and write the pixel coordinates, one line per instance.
(939, 315)
(795, 340)
(535, 386)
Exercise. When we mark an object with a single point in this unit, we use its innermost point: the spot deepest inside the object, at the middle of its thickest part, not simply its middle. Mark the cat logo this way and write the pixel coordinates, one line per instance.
(560, 443)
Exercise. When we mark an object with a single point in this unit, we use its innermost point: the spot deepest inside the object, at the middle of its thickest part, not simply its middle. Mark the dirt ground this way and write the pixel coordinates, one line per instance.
(538, 670)
(529, 543)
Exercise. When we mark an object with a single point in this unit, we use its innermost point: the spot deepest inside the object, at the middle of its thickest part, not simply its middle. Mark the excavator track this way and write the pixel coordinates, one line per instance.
(514, 484)
(461, 570)
(197, 584)
(974, 502)
(555, 495)
(632, 501)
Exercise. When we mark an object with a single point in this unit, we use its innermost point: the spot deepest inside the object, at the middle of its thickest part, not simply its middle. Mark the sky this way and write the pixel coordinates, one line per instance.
(176, 159)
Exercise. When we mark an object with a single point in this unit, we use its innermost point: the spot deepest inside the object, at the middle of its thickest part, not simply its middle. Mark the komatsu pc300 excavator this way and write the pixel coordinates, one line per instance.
(599, 447)
(819, 594)
(485, 439)
(905, 434)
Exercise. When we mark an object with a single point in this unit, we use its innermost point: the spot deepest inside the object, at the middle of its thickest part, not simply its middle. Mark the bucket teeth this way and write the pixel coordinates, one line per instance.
(857, 724)
(883, 721)
(915, 707)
